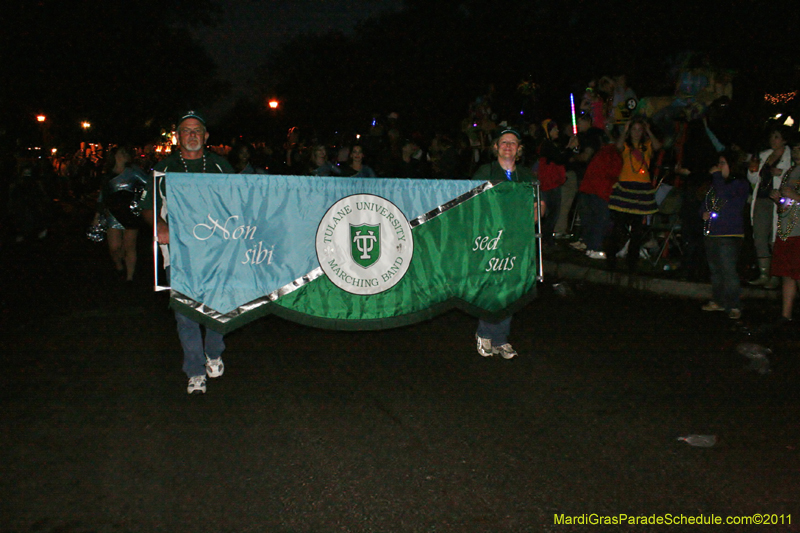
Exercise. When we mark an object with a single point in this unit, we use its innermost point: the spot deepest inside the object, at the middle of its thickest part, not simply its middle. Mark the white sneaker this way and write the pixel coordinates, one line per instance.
(484, 346)
(197, 384)
(214, 367)
(578, 245)
(712, 306)
(595, 254)
(505, 351)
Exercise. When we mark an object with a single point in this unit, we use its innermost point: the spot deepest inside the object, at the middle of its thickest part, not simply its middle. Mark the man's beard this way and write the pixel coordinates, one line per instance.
(193, 146)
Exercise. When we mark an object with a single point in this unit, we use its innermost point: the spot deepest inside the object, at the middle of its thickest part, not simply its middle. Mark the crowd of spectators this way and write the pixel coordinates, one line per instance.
(605, 172)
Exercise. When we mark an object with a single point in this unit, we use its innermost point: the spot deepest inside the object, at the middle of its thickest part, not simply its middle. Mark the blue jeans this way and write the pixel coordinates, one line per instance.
(194, 348)
(595, 217)
(723, 256)
(498, 332)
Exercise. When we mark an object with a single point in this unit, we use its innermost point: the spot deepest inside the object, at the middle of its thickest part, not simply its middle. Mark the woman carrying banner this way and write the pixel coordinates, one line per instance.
(492, 337)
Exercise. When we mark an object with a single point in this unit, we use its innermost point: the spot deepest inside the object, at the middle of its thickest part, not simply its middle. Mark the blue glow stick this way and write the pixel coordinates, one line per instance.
(572, 107)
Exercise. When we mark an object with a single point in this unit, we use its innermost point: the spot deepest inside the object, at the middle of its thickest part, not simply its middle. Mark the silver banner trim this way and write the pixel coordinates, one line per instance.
(317, 272)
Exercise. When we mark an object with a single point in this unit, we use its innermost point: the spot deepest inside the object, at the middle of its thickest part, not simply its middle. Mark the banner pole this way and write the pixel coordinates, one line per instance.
(537, 205)
(155, 234)
(156, 249)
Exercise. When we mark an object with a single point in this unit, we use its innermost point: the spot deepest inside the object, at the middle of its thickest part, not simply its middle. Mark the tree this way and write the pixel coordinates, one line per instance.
(127, 67)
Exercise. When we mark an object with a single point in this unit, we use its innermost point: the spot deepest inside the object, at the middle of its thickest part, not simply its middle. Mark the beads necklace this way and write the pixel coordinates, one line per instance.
(788, 212)
(643, 163)
(186, 167)
(714, 205)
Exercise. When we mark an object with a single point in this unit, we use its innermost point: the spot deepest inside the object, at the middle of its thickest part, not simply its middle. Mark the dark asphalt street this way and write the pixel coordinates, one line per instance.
(407, 430)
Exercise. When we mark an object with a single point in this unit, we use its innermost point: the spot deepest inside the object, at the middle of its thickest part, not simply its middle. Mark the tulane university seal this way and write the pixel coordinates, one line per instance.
(364, 244)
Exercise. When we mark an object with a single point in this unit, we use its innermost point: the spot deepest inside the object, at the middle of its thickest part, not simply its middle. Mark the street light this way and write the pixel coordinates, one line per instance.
(86, 125)
(273, 104)
(44, 129)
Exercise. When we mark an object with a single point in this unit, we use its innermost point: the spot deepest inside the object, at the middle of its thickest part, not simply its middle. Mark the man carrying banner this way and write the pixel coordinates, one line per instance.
(492, 337)
(200, 359)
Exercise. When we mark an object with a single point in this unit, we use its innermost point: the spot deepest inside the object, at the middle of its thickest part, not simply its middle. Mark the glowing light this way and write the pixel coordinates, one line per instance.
(273, 104)
(86, 124)
(780, 98)
(40, 118)
(788, 122)
(572, 108)
(53, 151)
(358, 136)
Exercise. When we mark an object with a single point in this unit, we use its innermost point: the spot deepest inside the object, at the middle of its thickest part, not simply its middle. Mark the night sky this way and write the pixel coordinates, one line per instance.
(130, 67)
(251, 29)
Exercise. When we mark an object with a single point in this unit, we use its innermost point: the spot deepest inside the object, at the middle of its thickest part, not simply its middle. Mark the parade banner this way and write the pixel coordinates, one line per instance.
(347, 253)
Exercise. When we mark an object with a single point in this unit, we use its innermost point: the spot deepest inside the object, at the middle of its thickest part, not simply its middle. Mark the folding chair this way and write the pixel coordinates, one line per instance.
(666, 220)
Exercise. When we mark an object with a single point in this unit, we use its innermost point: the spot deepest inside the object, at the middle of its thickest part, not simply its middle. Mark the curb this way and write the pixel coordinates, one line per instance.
(687, 289)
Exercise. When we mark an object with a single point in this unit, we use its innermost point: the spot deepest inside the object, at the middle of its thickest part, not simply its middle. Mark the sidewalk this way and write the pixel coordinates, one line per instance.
(561, 262)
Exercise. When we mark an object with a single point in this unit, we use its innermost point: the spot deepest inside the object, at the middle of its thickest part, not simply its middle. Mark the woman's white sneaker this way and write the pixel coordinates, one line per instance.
(214, 367)
(505, 351)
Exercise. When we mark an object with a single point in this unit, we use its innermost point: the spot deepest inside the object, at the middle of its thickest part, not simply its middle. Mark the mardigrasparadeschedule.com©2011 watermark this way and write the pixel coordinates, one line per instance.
(667, 519)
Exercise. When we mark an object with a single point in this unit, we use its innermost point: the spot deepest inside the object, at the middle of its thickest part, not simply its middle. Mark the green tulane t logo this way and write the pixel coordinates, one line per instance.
(365, 244)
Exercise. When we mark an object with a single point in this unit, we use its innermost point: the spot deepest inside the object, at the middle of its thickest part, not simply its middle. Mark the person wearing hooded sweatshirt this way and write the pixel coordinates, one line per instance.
(722, 214)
